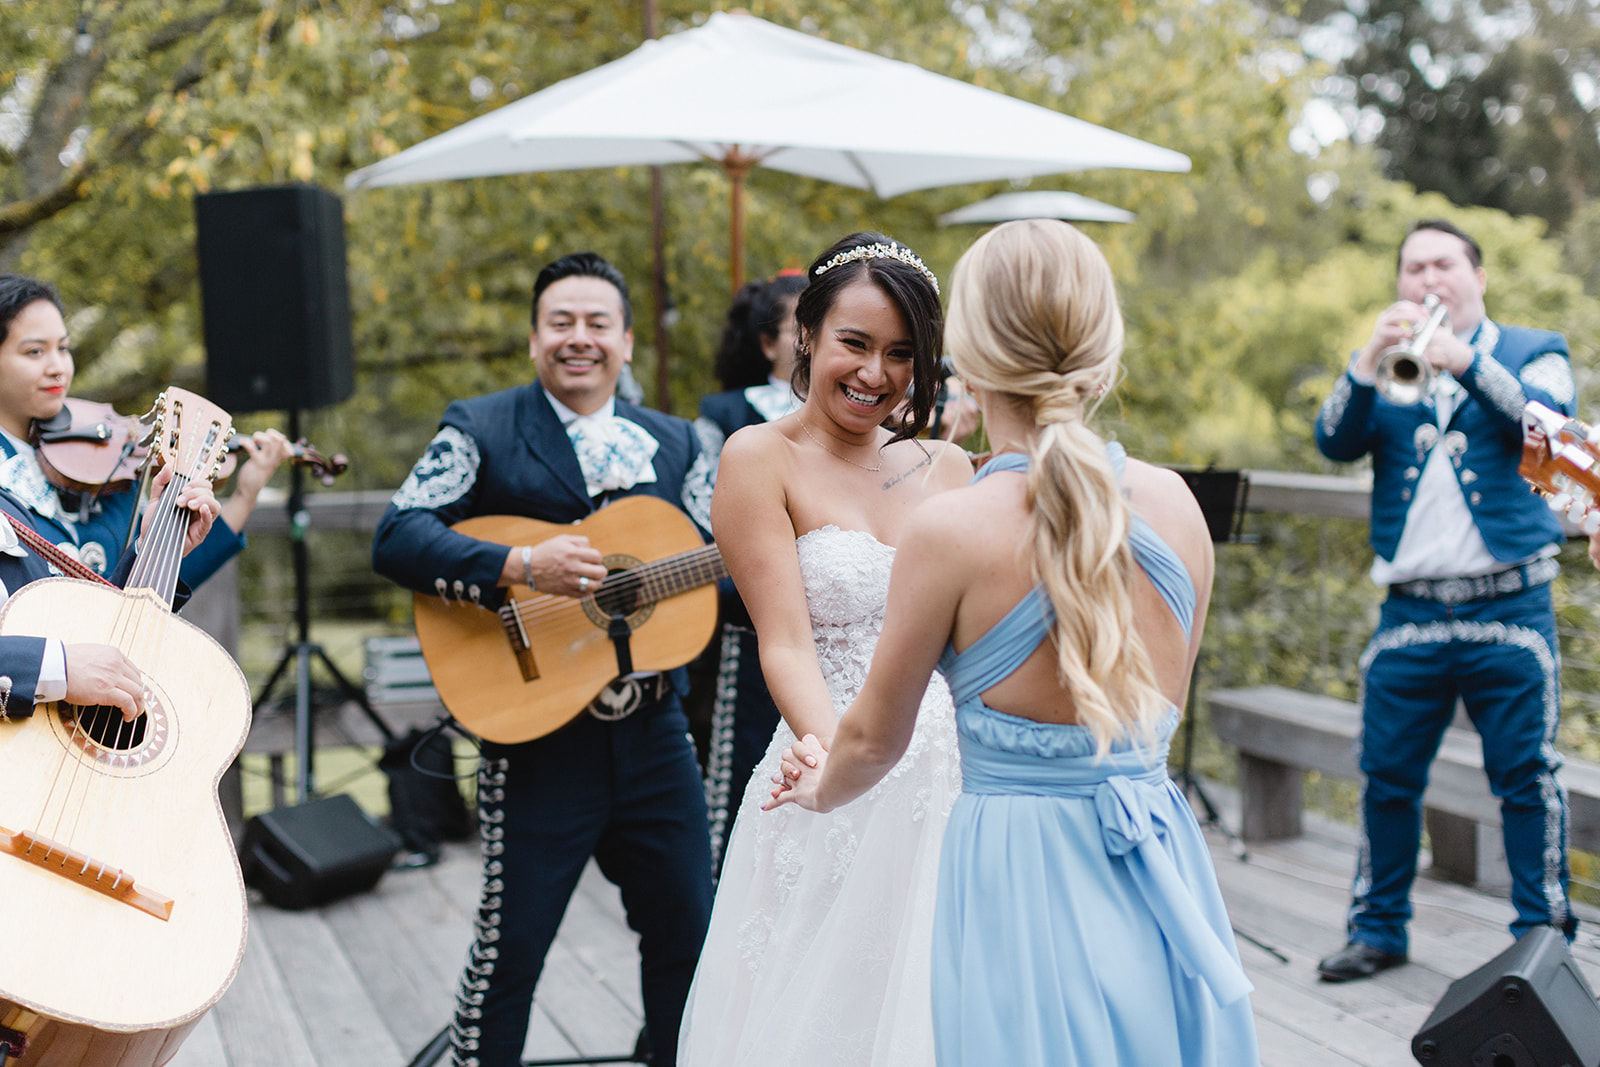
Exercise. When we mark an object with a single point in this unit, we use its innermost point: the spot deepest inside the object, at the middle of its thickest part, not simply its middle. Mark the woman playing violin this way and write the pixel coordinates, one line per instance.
(35, 372)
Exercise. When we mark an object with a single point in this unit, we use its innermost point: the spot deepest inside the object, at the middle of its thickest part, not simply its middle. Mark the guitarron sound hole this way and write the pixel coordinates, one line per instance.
(107, 727)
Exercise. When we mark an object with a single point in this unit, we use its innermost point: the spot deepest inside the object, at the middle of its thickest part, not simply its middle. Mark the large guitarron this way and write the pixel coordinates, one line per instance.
(122, 912)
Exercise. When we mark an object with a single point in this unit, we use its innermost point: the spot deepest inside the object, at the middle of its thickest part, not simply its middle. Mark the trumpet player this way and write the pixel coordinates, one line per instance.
(1467, 555)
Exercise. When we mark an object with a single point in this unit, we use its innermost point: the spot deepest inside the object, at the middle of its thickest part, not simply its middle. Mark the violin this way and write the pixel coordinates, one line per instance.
(90, 447)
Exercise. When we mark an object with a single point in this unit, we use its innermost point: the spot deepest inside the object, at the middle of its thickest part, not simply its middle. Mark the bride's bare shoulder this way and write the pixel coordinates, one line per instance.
(765, 443)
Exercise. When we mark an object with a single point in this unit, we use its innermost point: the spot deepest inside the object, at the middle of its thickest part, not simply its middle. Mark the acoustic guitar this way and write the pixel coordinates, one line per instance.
(122, 912)
(532, 666)
(1559, 460)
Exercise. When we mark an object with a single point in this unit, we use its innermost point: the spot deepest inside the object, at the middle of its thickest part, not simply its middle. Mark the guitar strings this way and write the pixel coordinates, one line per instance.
(140, 643)
(157, 569)
(697, 563)
(624, 584)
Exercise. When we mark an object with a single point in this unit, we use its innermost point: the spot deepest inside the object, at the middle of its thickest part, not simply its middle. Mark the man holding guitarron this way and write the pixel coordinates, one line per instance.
(621, 784)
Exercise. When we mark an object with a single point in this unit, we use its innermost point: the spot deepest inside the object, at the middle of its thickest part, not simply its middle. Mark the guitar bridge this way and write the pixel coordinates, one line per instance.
(84, 870)
(517, 635)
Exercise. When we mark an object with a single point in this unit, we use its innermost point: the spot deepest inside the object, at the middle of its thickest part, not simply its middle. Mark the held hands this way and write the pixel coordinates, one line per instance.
(566, 565)
(1397, 324)
(800, 775)
(102, 675)
(197, 497)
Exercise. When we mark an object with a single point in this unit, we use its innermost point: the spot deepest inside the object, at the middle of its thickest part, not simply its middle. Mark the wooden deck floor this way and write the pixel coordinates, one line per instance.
(366, 982)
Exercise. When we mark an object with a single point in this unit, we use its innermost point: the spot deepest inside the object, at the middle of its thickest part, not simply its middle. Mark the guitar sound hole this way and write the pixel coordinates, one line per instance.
(621, 599)
(107, 727)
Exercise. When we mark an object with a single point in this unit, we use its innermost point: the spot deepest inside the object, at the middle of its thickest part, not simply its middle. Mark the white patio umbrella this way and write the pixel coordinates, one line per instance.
(741, 92)
(1037, 204)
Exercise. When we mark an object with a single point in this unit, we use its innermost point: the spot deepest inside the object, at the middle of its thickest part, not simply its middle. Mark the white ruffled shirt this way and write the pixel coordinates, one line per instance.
(613, 453)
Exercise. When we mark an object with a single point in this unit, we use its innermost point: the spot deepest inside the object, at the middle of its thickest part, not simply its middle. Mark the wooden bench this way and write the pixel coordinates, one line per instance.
(1282, 733)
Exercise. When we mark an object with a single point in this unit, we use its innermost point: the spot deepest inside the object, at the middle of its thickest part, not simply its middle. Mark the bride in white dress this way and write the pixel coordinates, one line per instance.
(822, 926)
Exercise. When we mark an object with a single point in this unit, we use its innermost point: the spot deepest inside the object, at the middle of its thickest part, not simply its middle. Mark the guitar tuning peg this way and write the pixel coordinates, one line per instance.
(1591, 523)
(1561, 502)
(1577, 512)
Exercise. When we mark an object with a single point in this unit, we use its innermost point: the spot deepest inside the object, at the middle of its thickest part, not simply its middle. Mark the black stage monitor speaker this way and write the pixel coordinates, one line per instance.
(312, 853)
(1527, 1007)
(275, 298)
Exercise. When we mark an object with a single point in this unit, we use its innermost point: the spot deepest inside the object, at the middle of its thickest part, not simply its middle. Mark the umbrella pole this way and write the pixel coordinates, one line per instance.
(737, 165)
(658, 252)
(658, 280)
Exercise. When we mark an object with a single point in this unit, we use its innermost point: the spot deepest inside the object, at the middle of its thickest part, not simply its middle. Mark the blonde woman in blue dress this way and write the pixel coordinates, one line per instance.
(1062, 595)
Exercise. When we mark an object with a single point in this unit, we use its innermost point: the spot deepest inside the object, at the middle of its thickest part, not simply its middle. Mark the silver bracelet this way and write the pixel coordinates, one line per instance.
(527, 566)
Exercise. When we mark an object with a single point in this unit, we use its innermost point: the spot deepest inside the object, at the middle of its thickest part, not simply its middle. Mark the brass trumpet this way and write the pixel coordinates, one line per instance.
(1404, 376)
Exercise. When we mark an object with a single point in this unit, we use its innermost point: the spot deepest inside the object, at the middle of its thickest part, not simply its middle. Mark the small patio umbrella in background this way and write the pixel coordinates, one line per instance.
(741, 92)
(1036, 204)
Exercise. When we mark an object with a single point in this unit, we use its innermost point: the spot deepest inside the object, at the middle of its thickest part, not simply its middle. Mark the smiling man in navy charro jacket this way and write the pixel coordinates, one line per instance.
(622, 784)
(1468, 554)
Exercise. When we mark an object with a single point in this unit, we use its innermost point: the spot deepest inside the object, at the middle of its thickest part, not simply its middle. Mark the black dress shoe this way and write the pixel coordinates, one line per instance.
(1357, 960)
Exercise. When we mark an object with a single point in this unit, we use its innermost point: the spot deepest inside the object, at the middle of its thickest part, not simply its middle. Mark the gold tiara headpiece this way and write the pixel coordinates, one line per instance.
(881, 251)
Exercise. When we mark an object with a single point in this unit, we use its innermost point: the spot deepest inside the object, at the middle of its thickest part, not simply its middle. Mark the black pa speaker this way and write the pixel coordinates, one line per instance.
(312, 853)
(1527, 1007)
(275, 299)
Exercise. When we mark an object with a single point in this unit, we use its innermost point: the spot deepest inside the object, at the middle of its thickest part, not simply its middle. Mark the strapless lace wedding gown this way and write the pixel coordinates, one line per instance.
(821, 935)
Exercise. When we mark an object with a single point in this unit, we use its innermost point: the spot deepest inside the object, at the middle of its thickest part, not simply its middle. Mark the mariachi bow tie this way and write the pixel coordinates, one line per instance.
(612, 452)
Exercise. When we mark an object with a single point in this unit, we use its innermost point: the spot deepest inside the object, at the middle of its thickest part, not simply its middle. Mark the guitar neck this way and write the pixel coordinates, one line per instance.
(673, 575)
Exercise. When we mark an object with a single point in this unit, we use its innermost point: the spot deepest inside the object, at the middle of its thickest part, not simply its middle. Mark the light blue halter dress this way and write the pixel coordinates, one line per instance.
(1078, 919)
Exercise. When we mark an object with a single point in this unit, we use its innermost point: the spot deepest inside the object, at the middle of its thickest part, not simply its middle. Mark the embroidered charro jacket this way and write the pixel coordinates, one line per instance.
(737, 408)
(95, 537)
(1511, 365)
(507, 453)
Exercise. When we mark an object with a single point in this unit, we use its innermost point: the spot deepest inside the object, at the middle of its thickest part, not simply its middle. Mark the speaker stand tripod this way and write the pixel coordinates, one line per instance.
(302, 651)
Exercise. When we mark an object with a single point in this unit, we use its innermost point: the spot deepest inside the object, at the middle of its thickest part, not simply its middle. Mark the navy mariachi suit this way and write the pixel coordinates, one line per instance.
(743, 715)
(98, 535)
(1490, 642)
(626, 792)
(20, 657)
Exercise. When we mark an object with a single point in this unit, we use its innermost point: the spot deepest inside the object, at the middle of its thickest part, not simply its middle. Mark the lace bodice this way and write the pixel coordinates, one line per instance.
(846, 579)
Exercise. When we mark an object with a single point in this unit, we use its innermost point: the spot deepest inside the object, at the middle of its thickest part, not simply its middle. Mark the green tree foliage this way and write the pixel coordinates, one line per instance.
(1236, 282)
(1489, 103)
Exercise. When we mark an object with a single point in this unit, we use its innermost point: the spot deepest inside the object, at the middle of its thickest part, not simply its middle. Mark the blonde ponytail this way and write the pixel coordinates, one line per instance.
(1033, 316)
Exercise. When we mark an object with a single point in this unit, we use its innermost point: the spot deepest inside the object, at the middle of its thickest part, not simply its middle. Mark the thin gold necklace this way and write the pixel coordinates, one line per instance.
(836, 455)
